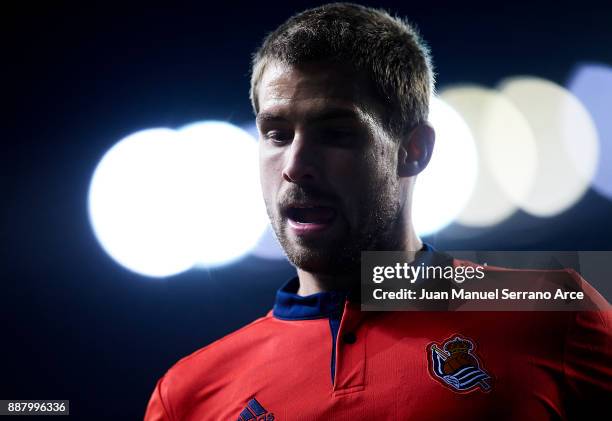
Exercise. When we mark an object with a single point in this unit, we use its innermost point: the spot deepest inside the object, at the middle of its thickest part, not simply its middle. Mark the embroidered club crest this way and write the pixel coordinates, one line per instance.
(455, 365)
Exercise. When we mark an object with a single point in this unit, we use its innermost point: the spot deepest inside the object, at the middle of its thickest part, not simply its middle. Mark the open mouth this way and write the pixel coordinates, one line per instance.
(316, 215)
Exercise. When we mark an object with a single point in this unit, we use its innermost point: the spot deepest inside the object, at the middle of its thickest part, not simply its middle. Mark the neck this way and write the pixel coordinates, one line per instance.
(312, 283)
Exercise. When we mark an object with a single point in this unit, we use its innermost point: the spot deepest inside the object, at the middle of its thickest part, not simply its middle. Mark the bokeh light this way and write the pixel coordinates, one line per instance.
(592, 84)
(566, 140)
(225, 199)
(445, 186)
(136, 205)
(162, 201)
(506, 150)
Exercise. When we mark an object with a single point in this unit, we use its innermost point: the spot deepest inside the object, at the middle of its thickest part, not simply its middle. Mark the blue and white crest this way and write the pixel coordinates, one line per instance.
(455, 365)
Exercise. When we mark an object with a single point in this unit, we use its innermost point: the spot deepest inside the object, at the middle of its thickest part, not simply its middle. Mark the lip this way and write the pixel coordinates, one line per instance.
(304, 229)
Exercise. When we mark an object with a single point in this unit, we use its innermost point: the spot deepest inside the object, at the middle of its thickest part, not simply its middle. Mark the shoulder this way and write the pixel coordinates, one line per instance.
(229, 345)
(208, 369)
(565, 279)
(584, 335)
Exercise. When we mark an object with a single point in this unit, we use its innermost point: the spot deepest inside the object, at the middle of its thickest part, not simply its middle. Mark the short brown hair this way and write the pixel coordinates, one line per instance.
(387, 48)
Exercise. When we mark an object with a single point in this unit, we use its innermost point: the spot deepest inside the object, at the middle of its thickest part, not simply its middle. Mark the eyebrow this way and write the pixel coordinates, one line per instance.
(324, 115)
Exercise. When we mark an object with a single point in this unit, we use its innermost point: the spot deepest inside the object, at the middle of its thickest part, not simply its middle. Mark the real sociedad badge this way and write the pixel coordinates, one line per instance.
(455, 365)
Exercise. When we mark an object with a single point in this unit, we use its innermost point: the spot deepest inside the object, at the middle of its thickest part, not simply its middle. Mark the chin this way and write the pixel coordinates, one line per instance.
(310, 260)
(326, 260)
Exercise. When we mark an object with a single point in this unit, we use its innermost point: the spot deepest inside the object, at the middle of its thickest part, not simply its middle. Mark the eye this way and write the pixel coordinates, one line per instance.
(278, 137)
(339, 136)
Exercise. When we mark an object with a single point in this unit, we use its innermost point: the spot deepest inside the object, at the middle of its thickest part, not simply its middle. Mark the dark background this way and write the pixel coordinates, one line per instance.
(76, 325)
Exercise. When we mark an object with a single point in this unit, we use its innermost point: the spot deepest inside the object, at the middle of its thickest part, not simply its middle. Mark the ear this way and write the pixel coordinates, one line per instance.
(415, 150)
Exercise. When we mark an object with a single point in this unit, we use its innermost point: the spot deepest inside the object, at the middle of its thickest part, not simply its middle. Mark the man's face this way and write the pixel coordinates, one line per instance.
(327, 168)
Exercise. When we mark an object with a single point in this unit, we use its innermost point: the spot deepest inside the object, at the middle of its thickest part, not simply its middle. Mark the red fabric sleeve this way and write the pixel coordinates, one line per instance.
(588, 364)
(156, 409)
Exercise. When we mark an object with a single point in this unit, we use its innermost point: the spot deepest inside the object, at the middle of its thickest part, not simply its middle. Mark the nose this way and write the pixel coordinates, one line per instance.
(300, 166)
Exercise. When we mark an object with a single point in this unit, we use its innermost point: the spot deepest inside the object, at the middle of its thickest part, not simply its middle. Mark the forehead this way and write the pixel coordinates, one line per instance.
(313, 88)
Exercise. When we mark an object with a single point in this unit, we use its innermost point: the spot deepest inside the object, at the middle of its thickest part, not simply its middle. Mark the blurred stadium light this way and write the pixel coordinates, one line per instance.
(162, 201)
(445, 186)
(506, 151)
(135, 207)
(566, 141)
(592, 84)
(225, 198)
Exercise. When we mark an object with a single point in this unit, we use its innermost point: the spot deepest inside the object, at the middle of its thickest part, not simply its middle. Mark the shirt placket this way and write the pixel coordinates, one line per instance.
(350, 346)
(334, 325)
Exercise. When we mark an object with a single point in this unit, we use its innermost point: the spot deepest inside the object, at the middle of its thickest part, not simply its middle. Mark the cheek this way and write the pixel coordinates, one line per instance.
(350, 176)
(368, 180)
(270, 174)
(357, 169)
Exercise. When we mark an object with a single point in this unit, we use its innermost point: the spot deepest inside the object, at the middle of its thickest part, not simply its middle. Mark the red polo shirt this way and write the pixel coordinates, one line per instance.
(320, 357)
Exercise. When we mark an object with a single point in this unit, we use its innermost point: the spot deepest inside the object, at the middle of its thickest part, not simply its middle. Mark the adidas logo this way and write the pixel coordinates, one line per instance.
(254, 411)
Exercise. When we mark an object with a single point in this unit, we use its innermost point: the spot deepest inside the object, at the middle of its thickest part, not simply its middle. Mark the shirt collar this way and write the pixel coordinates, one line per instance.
(291, 306)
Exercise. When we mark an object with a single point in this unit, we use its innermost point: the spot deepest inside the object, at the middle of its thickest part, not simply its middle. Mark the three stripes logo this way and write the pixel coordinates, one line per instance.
(256, 412)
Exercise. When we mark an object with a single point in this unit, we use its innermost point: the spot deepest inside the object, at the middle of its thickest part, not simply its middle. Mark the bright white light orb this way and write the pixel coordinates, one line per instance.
(135, 207)
(566, 140)
(506, 150)
(592, 84)
(225, 199)
(445, 186)
(162, 201)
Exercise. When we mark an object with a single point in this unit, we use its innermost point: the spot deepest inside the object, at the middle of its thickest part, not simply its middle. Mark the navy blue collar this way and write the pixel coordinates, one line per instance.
(291, 306)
